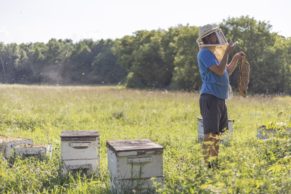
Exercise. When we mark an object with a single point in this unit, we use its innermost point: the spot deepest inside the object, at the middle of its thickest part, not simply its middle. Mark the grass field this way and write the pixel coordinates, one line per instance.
(247, 165)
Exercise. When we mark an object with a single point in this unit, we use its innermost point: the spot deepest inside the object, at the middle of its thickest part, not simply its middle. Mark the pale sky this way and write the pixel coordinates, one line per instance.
(23, 21)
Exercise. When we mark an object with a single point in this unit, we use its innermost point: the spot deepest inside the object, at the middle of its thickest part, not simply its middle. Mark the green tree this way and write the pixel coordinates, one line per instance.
(58, 52)
(256, 40)
(143, 57)
(78, 65)
(36, 53)
(186, 72)
(287, 77)
(9, 59)
(105, 69)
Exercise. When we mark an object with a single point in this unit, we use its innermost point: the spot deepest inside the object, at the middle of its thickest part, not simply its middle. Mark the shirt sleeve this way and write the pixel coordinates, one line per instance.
(208, 59)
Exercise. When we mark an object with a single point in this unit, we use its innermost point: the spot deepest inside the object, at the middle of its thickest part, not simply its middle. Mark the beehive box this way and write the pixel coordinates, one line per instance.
(201, 128)
(8, 145)
(133, 164)
(80, 151)
(39, 151)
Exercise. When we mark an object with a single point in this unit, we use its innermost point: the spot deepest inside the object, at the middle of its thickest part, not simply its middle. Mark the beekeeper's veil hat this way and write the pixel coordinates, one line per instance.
(208, 29)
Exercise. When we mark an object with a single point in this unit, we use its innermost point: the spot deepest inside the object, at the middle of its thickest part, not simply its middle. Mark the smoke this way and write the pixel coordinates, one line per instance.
(52, 74)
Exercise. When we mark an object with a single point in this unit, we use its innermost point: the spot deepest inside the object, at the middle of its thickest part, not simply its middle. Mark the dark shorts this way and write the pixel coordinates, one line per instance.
(214, 114)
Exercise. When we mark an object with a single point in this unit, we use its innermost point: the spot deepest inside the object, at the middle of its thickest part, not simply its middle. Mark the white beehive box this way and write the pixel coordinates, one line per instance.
(134, 164)
(80, 151)
(201, 128)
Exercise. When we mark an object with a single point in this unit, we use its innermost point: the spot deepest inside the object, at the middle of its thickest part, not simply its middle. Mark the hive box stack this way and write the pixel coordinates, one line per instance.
(134, 164)
(11, 147)
(8, 145)
(80, 151)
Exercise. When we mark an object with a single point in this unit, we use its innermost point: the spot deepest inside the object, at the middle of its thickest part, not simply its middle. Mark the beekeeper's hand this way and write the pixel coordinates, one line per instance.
(230, 47)
(240, 55)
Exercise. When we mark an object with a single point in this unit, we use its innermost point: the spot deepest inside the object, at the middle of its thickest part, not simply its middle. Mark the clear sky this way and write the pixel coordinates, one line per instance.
(23, 21)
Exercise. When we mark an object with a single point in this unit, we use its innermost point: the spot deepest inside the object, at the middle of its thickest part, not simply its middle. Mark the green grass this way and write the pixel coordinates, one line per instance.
(247, 165)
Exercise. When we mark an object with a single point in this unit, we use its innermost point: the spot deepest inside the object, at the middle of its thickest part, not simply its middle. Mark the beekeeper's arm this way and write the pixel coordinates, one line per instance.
(219, 69)
(233, 64)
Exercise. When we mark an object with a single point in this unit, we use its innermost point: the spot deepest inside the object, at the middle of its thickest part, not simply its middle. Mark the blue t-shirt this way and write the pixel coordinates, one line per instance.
(211, 82)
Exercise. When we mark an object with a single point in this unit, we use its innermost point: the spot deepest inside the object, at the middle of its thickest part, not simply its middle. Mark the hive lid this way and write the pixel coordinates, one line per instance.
(4, 139)
(70, 133)
(15, 140)
(133, 145)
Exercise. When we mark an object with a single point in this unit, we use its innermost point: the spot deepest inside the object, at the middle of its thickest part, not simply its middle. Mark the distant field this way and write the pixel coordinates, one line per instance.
(168, 118)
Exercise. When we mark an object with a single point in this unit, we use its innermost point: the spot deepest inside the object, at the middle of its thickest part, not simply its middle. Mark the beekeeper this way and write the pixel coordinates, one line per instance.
(214, 70)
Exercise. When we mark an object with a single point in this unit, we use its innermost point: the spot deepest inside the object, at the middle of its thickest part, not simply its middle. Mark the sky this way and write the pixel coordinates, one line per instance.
(24, 21)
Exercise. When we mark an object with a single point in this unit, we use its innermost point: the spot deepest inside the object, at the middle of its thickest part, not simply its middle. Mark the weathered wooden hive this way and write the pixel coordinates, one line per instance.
(39, 151)
(8, 145)
(134, 165)
(80, 151)
(12, 147)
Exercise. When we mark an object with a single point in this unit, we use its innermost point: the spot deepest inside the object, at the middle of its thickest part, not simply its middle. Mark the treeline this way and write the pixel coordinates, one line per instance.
(149, 59)
(61, 62)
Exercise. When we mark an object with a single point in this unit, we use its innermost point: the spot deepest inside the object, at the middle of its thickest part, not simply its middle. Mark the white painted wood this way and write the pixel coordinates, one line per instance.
(80, 150)
(133, 163)
(89, 166)
(76, 150)
(125, 186)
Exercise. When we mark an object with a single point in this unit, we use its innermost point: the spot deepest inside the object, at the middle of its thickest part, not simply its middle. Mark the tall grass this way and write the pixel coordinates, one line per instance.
(247, 165)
